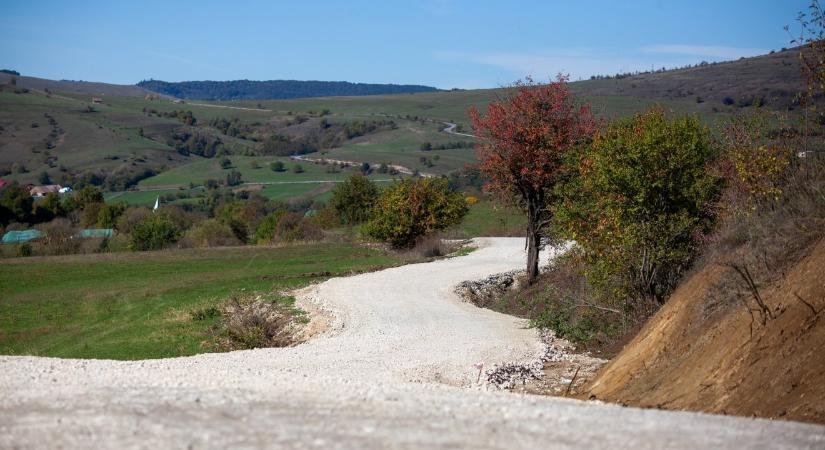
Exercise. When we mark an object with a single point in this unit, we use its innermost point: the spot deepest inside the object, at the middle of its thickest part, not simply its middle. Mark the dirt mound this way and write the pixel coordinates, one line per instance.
(698, 355)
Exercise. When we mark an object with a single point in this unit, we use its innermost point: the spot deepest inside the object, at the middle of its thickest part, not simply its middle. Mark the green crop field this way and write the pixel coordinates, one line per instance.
(137, 305)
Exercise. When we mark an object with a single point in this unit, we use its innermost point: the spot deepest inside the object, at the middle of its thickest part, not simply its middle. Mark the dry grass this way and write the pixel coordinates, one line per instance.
(761, 245)
(253, 321)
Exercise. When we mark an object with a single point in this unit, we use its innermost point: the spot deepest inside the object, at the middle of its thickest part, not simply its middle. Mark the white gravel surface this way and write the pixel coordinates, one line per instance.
(394, 371)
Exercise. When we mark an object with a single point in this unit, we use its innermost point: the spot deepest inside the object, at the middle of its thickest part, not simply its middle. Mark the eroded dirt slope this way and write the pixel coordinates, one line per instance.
(696, 355)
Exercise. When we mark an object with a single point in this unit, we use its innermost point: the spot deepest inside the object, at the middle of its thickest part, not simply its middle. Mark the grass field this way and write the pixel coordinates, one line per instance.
(203, 168)
(137, 305)
(147, 197)
(491, 218)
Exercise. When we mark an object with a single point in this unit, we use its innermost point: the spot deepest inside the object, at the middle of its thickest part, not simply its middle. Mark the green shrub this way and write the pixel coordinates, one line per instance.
(277, 166)
(234, 178)
(109, 214)
(17, 203)
(294, 227)
(640, 201)
(211, 233)
(265, 233)
(24, 250)
(131, 217)
(353, 199)
(413, 208)
(154, 232)
(90, 213)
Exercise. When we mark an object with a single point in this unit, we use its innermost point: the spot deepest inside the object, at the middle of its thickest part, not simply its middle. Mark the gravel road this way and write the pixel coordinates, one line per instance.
(394, 370)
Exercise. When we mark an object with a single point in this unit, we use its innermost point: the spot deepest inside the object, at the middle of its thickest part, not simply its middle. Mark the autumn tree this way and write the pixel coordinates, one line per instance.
(524, 140)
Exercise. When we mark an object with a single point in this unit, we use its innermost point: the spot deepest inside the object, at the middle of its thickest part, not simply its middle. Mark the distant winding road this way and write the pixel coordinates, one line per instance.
(451, 130)
(394, 370)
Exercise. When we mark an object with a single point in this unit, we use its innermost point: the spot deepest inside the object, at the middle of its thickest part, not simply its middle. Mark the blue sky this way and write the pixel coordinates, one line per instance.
(443, 43)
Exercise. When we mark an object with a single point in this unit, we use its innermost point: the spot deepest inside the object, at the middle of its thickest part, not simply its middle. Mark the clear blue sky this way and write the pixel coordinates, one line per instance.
(442, 43)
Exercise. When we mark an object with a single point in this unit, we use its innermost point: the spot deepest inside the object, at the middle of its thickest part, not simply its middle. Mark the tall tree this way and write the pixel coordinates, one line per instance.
(524, 140)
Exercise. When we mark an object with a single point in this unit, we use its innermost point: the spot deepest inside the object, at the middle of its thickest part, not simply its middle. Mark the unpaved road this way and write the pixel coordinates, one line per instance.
(451, 130)
(394, 371)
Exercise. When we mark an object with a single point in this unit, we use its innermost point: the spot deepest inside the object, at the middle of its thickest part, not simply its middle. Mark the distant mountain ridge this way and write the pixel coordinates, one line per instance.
(274, 89)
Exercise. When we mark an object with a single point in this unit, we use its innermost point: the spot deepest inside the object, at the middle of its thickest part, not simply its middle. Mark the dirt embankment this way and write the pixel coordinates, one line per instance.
(696, 354)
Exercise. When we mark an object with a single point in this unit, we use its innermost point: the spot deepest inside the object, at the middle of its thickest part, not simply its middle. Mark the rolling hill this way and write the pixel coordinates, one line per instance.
(130, 135)
(74, 87)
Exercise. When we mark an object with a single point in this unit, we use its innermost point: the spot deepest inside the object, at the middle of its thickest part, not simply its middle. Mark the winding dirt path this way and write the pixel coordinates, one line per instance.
(394, 370)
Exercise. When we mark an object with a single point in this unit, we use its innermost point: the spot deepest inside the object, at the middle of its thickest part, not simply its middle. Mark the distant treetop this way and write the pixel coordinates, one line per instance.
(274, 89)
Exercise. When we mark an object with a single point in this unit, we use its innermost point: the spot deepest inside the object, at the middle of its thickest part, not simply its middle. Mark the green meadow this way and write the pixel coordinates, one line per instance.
(138, 305)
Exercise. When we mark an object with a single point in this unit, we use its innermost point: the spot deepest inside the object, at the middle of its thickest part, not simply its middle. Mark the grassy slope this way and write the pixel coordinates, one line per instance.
(202, 169)
(90, 139)
(134, 306)
(489, 218)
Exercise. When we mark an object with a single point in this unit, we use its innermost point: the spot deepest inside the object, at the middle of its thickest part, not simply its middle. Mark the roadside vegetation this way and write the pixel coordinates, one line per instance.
(650, 198)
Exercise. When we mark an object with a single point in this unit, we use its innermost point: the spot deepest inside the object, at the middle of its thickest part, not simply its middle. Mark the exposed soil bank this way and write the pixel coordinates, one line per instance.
(699, 355)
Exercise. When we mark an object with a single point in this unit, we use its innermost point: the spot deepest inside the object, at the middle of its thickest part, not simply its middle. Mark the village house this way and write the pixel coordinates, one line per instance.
(40, 191)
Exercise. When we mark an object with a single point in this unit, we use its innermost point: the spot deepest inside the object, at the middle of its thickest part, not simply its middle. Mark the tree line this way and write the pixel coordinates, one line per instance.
(274, 89)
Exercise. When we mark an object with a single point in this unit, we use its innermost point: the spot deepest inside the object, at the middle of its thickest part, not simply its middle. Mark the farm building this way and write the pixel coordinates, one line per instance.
(20, 236)
(40, 191)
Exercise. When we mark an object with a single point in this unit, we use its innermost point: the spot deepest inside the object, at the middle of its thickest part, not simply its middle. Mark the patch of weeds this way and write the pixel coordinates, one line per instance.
(209, 312)
(255, 320)
(563, 301)
(578, 330)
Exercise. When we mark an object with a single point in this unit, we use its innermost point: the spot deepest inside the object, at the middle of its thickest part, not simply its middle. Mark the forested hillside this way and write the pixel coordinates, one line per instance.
(274, 89)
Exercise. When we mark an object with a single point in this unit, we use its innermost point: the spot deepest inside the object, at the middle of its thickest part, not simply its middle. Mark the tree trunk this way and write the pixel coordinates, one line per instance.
(533, 243)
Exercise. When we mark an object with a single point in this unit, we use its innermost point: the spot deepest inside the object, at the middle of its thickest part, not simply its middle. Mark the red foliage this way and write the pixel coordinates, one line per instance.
(524, 140)
(525, 137)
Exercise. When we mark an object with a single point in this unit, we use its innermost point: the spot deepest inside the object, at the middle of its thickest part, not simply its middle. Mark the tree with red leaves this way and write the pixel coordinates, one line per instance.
(524, 140)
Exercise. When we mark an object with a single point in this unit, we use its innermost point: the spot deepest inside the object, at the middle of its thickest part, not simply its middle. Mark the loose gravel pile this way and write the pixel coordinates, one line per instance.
(511, 375)
(395, 368)
(485, 291)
